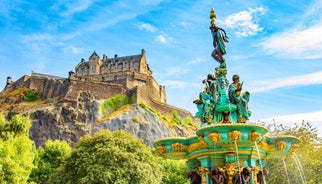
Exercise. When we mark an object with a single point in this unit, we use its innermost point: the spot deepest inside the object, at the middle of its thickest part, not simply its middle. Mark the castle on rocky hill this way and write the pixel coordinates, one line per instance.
(103, 78)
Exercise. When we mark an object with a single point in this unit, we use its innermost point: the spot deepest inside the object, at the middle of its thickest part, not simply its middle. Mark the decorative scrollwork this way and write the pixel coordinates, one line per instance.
(214, 137)
(280, 145)
(178, 147)
(253, 136)
(160, 151)
(234, 135)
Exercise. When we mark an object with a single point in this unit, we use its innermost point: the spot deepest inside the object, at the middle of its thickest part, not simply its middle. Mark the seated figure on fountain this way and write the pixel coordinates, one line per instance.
(194, 177)
(207, 98)
(240, 100)
(244, 177)
(218, 177)
(261, 176)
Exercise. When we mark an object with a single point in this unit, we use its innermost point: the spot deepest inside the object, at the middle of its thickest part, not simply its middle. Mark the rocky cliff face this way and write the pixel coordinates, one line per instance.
(69, 120)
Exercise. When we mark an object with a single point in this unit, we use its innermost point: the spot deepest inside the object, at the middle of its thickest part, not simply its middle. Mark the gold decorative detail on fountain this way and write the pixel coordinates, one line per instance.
(255, 171)
(160, 150)
(199, 145)
(280, 145)
(212, 16)
(293, 148)
(240, 118)
(178, 147)
(234, 135)
(253, 136)
(214, 137)
(202, 171)
(231, 170)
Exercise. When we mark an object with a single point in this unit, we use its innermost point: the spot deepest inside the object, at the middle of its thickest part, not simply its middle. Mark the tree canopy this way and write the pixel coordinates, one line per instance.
(109, 157)
(17, 151)
(48, 159)
(305, 165)
(174, 171)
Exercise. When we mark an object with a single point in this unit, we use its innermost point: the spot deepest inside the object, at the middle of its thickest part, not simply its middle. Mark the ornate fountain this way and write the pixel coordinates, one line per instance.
(226, 149)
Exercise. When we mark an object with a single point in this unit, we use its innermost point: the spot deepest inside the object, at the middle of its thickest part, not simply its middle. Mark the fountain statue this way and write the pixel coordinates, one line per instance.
(227, 148)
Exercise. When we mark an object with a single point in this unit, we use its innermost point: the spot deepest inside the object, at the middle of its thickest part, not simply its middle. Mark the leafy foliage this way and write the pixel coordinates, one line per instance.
(175, 117)
(31, 96)
(113, 103)
(109, 157)
(188, 121)
(49, 159)
(17, 151)
(174, 171)
(306, 158)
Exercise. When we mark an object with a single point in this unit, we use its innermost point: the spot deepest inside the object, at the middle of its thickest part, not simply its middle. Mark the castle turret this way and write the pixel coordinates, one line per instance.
(143, 67)
(9, 81)
(71, 75)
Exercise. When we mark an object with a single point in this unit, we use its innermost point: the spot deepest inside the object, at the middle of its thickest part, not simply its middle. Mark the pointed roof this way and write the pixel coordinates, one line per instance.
(94, 54)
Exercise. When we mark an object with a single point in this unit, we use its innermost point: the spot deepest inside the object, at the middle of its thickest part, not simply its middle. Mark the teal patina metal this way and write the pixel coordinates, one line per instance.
(226, 147)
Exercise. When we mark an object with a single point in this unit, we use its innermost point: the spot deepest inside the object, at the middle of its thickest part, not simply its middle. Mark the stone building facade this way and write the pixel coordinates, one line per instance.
(129, 71)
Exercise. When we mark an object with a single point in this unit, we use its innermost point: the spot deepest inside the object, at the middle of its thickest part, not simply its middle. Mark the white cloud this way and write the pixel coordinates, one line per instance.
(72, 7)
(296, 43)
(147, 27)
(311, 117)
(184, 68)
(37, 43)
(245, 22)
(73, 49)
(197, 61)
(301, 80)
(175, 84)
(163, 39)
(179, 70)
(315, 118)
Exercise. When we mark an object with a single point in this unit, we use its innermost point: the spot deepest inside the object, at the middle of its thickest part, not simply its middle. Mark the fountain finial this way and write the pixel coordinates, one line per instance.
(212, 16)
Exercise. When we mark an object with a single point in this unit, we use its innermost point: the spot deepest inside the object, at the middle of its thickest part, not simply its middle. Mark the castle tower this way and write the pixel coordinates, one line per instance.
(94, 64)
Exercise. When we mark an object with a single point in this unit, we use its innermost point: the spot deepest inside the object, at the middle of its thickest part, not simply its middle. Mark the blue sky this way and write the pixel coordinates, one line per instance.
(275, 46)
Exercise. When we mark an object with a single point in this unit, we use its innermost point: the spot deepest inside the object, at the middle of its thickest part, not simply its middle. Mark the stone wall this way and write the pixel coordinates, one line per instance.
(100, 90)
(48, 88)
(163, 108)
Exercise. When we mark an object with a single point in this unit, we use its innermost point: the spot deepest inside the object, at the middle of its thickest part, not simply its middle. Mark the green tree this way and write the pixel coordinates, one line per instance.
(306, 159)
(17, 151)
(49, 159)
(31, 96)
(109, 157)
(174, 171)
